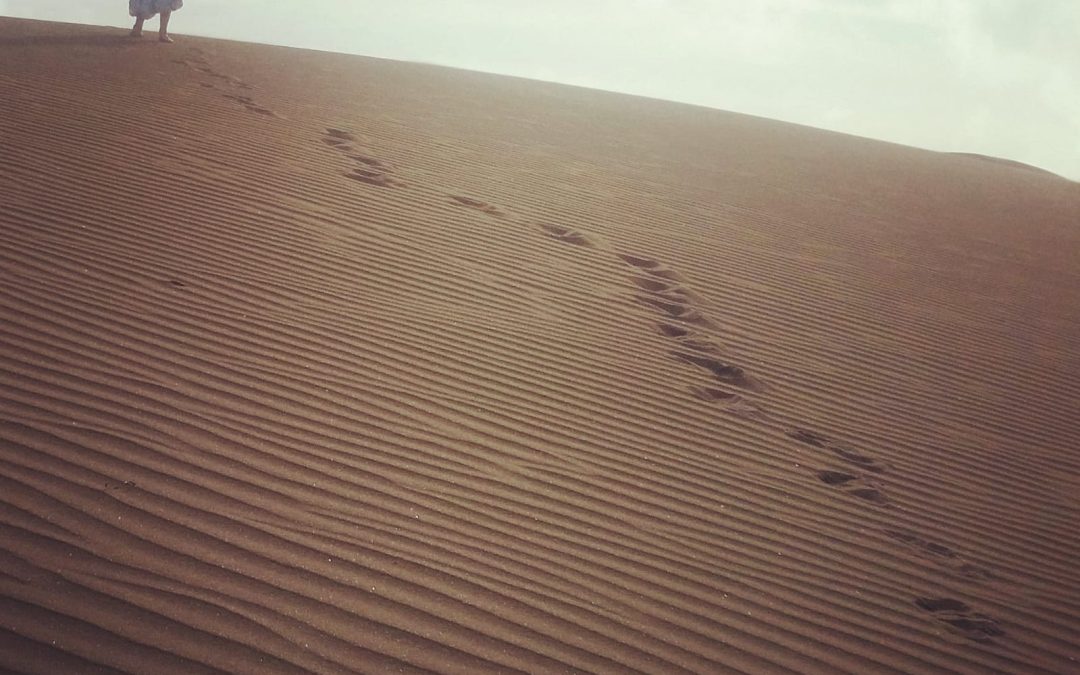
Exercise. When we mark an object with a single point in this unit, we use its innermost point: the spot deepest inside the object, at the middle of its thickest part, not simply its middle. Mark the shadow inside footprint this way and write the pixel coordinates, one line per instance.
(870, 494)
(675, 309)
(340, 135)
(915, 540)
(846, 453)
(852, 485)
(566, 235)
(673, 331)
(725, 372)
(378, 178)
(477, 204)
(640, 262)
(857, 458)
(958, 615)
(949, 559)
(808, 437)
(655, 285)
(649, 266)
(369, 161)
(942, 605)
(728, 402)
(836, 477)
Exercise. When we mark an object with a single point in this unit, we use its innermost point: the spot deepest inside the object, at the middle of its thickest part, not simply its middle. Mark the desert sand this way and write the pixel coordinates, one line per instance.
(321, 363)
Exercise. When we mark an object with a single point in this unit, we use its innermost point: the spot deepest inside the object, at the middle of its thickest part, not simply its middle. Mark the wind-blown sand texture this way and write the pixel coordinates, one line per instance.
(319, 363)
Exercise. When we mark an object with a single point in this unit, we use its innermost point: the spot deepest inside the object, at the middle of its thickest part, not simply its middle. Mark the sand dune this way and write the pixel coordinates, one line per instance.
(320, 363)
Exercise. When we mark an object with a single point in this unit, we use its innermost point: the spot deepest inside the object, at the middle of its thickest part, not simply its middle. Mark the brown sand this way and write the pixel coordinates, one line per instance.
(318, 363)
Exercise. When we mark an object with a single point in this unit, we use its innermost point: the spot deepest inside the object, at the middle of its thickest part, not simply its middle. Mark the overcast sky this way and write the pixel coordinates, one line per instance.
(997, 77)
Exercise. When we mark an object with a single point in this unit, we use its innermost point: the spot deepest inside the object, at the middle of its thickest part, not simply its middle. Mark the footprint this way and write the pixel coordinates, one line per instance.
(728, 401)
(640, 262)
(661, 286)
(858, 459)
(380, 178)
(943, 555)
(368, 161)
(675, 309)
(853, 484)
(845, 453)
(920, 543)
(650, 266)
(673, 331)
(724, 372)
(665, 290)
(371, 170)
(478, 205)
(959, 617)
(684, 337)
(339, 134)
(567, 235)
(808, 437)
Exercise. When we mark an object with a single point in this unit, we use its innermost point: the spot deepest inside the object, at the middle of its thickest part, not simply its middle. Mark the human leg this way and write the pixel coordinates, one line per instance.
(163, 32)
(136, 30)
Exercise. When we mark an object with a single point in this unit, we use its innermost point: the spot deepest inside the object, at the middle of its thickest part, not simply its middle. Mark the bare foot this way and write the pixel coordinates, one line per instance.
(165, 38)
(135, 33)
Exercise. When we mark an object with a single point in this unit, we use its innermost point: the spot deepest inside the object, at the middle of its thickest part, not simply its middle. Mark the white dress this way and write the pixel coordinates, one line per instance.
(145, 9)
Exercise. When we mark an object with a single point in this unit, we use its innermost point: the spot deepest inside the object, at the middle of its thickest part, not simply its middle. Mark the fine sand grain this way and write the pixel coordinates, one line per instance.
(321, 363)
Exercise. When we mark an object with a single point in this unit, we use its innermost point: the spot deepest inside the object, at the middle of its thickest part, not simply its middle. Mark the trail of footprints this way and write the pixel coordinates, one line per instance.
(848, 471)
(691, 333)
(481, 206)
(689, 330)
(960, 618)
(198, 61)
(855, 478)
(683, 321)
(372, 171)
(366, 169)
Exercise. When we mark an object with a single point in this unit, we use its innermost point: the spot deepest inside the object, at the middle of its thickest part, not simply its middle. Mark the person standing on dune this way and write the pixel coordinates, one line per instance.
(144, 9)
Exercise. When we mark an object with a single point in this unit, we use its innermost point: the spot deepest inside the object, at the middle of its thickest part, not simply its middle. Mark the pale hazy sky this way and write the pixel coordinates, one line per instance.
(998, 77)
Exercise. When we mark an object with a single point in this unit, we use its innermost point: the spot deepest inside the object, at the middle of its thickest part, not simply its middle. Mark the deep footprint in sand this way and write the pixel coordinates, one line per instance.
(728, 401)
(649, 266)
(666, 289)
(960, 618)
(948, 559)
(843, 452)
(854, 485)
(483, 207)
(723, 372)
(566, 235)
(370, 170)
(373, 177)
(676, 309)
(340, 134)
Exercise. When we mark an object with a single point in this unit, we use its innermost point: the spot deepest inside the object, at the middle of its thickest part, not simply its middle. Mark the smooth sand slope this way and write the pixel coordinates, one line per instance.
(318, 363)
